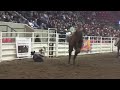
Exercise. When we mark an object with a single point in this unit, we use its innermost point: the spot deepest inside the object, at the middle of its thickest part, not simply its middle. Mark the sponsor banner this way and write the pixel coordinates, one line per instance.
(23, 47)
(86, 46)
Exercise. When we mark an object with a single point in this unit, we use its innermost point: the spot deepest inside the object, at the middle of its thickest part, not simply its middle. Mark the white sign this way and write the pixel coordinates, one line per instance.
(23, 47)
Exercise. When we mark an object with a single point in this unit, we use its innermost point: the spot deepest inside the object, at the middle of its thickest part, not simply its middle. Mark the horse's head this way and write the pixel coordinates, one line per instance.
(79, 28)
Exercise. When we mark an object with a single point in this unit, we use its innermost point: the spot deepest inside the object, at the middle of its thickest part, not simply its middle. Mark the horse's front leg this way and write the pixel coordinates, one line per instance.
(76, 53)
(70, 52)
(77, 50)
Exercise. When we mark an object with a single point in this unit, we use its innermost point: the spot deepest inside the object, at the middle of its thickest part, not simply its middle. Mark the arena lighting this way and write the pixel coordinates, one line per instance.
(119, 22)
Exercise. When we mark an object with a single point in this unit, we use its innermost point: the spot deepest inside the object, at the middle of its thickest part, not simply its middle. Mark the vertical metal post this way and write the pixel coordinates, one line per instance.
(32, 44)
(101, 44)
(7, 31)
(111, 44)
(48, 42)
(56, 44)
(0, 46)
(90, 43)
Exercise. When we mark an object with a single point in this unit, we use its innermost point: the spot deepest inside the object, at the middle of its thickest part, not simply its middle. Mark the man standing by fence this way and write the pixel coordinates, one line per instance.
(37, 39)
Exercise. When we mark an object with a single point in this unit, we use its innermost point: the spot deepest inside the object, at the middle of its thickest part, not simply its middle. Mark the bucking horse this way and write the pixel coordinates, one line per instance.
(75, 42)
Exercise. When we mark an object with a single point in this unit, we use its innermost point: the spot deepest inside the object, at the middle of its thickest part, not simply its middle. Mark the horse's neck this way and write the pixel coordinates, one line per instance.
(74, 33)
(78, 34)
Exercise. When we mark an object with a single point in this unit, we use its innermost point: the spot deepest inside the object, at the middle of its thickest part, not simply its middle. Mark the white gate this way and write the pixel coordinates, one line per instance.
(52, 41)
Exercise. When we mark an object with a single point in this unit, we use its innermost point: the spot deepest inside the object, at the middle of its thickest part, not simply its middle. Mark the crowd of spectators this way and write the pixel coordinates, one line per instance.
(8, 16)
(95, 23)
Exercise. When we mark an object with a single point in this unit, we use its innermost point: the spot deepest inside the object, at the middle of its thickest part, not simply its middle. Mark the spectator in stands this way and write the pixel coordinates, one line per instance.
(65, 20)
(31, 23)
(35, 23)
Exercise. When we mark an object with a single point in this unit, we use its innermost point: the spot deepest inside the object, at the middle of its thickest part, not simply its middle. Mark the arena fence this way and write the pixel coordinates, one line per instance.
(54, 44)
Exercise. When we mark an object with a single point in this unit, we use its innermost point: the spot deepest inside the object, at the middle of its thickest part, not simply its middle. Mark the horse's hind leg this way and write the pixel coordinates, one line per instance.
(70, 51)
(76, 53)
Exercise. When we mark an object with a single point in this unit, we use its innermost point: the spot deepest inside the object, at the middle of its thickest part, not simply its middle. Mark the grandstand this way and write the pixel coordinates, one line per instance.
(106, 21)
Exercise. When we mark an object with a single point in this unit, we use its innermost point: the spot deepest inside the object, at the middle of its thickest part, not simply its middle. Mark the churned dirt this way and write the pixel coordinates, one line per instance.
(97, 66)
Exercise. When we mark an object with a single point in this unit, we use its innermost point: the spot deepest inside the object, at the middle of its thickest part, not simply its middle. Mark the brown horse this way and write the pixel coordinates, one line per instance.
(118, 44)
(76, 42)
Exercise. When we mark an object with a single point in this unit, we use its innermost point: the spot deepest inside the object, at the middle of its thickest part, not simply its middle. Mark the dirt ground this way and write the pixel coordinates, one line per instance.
(98, 66)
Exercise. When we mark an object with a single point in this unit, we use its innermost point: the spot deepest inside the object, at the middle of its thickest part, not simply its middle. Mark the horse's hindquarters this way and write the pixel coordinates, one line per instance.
(116, 42)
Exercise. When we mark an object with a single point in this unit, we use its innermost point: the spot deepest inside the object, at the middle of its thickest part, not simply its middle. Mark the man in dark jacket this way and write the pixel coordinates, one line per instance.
(37, 57)
(37, 39)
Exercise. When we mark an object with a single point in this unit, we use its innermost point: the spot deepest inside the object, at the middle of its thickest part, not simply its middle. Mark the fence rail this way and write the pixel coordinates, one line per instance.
(51, 41)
